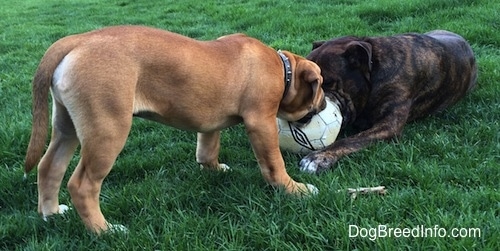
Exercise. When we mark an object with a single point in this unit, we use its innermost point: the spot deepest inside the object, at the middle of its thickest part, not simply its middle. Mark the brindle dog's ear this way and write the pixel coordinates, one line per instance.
(359, 55)
(317, 44)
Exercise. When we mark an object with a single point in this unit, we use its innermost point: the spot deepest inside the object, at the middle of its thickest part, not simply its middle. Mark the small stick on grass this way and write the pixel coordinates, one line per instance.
(365, 190)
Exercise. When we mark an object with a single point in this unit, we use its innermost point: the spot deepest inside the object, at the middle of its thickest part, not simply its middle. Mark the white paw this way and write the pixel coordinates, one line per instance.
(308, 166)
(312, 189)
(62, 210)
(221, 167)
(117, 228)
(224, 168)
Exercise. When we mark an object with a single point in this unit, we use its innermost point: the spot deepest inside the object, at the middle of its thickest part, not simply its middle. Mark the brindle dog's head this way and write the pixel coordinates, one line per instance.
(346, 64)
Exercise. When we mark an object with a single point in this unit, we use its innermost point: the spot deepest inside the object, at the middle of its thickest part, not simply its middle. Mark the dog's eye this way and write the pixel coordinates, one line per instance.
(331, 82)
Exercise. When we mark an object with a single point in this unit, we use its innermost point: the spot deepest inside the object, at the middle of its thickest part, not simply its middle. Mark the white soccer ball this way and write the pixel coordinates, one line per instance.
(320, 132)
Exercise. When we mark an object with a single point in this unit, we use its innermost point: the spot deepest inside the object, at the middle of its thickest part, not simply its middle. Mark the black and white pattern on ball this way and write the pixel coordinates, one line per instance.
(322, 130)
(300, 137)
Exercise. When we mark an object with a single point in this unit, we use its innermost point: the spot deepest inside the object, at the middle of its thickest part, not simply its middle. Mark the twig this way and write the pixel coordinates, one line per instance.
(365, 190)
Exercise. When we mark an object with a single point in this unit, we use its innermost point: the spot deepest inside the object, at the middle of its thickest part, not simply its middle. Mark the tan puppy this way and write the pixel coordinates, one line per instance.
(101, 79)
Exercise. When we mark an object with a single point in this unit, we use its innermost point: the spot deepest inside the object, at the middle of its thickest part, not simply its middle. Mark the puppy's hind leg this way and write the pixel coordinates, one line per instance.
(102, 139)
(54, 163)
(207, 151)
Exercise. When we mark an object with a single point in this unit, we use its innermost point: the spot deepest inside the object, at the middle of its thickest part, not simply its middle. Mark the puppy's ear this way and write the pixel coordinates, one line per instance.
(317, 44)
(315, 80)
(359, 55)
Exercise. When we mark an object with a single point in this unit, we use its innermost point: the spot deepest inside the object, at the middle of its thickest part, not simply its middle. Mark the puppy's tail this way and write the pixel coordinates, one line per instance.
(40, 108)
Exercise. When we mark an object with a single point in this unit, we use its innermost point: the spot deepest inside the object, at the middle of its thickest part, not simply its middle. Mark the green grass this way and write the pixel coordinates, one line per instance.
(444, 170)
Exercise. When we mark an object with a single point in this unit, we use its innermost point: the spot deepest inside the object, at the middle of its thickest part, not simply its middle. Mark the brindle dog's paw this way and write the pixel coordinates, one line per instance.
(316, 162)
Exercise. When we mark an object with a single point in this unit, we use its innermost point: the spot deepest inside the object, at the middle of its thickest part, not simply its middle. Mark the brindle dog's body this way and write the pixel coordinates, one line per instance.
(381, 83)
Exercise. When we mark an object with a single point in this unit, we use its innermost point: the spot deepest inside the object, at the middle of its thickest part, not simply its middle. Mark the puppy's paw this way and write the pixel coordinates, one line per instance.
(316, 162)
(224, 168)
(304, 190)
(62, 210)
(220, 167)
(313, 190)
(116, 229)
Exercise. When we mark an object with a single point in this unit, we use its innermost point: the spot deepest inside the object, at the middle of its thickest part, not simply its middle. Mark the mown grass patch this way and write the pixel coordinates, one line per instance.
(443, 171)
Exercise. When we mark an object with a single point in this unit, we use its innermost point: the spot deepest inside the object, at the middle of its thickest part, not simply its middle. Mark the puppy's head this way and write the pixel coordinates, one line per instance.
(304, 96)
(346, 65)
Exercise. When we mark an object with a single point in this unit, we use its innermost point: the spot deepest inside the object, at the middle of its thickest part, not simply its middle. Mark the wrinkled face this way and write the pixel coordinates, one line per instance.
(305, 96)
(345, 66)
(341, 61)
(332, 64)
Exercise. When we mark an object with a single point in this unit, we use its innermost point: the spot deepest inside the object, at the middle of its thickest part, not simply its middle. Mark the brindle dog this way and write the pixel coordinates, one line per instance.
(381, 83)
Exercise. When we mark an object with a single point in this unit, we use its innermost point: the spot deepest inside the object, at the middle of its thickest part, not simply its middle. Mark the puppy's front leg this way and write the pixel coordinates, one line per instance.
(207, 151)
(263, 134)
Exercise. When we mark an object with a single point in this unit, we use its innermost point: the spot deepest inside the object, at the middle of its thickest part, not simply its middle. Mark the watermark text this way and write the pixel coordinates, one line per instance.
(384, 231)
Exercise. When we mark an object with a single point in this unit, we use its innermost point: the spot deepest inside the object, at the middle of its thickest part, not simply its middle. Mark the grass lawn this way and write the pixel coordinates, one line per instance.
(443, 174)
